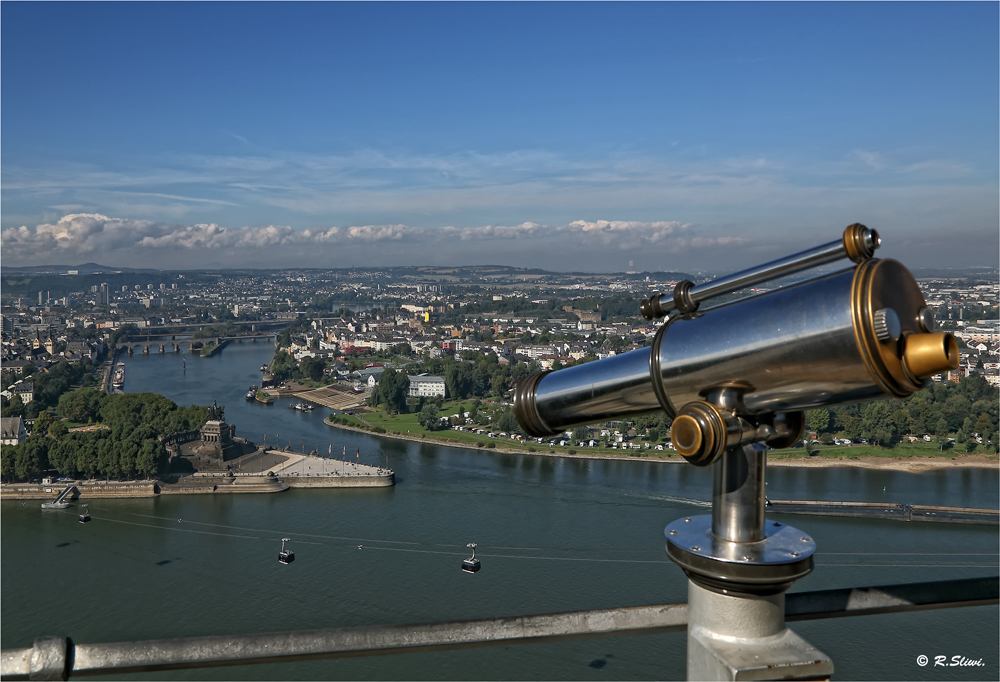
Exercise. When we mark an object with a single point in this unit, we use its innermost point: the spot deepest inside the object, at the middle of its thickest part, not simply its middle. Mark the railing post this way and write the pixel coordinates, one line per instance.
(48, 659)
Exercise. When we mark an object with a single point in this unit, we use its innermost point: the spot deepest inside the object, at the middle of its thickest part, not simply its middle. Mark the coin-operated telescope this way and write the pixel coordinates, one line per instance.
(735, 379)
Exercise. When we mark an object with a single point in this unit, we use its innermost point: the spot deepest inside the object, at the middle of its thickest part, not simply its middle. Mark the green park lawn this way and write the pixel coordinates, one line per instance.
(407, 425)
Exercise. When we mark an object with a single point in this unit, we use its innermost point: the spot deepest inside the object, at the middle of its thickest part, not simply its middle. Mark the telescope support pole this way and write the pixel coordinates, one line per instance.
(738, 494)
(743, 637)
(739, 567)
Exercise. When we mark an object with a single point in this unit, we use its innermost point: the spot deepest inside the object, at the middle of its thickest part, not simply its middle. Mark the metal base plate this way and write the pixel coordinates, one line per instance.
(785, 656)
(783, 556)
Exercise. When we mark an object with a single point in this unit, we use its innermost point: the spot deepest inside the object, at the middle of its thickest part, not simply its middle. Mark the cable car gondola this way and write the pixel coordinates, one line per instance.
(85, 516)
(285, 556)
(471, 565)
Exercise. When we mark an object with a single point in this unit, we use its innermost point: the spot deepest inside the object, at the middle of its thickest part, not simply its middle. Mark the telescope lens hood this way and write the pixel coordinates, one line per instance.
(526, 409)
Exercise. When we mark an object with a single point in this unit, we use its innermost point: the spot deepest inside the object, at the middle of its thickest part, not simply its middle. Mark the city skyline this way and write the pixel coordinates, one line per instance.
(567, 137)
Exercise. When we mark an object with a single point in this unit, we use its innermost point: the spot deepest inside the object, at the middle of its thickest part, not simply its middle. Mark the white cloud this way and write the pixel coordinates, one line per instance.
(527, 229)
(118, 240)
(378, 233)
(627, 232)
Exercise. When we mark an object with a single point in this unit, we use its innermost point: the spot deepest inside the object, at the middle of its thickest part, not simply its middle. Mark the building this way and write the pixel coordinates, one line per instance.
(979, 334)
(12, 431)
(370, 375)
(78, 350)
(25, 391)
(19, 366)
(426, 386)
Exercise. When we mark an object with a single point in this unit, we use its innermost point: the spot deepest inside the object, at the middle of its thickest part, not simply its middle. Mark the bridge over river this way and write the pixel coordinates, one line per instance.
(162, 342)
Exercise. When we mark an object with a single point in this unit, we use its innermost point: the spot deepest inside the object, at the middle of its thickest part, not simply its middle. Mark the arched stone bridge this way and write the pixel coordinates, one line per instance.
(163, 344)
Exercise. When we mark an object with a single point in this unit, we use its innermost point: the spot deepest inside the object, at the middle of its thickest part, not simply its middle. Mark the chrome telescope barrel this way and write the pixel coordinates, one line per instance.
(858, 244)
(858, 334)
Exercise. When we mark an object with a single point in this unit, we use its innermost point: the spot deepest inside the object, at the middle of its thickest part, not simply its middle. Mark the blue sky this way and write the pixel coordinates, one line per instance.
(564, 136)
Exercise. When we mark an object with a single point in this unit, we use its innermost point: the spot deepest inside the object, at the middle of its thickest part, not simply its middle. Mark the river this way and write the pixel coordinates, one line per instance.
(554, 534)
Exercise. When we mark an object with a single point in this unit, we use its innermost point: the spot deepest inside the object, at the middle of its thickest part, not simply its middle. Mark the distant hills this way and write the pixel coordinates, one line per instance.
(432, 273)
(85, 269)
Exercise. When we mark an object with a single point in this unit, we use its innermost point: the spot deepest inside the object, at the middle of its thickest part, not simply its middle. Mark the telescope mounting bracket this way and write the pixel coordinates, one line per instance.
(739, 566)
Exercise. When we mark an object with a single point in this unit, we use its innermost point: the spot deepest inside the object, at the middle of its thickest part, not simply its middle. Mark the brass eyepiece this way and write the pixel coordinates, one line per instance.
(699, 433)
(925, 355)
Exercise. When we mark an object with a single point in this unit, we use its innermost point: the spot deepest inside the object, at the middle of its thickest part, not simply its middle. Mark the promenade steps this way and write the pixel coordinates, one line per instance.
(320, 481)
(92, 490)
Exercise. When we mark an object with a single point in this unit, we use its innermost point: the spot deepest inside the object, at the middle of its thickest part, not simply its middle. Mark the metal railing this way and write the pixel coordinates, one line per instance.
(58, 658)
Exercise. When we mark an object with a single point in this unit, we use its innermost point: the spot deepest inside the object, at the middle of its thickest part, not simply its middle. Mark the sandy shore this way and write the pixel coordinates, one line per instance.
(911, 464)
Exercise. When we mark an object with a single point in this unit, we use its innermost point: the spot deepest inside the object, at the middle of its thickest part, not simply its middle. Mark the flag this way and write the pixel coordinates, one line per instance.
(359, 454)
(345, 452)
(329, 450)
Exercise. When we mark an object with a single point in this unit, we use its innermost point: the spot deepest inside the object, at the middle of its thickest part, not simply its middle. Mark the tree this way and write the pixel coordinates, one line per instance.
(818, 420)
(62, 456)
(428, 417)
(848, 420)
(968, 426)
(984, 426)
(107, 460)
(312, 368)
(86, 454)
(283, 366)
(57, 430)
(7, 456)
(15, 408)
(878, 425)
(506, 421)
(941, 428)
(956, 409)
(82, 405)
(49, 386)
(152, 457)
(392, 390)
(31, 458)
(42, 423)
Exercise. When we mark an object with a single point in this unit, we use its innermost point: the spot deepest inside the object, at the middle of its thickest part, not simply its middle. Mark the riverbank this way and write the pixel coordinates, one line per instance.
(911, 464)
(293, 471)
(906, 463)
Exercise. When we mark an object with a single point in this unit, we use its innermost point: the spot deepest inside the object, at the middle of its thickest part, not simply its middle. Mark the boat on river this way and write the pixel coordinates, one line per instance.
(55, 505)
(302, 407)
(118, 381)
(251, 393)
